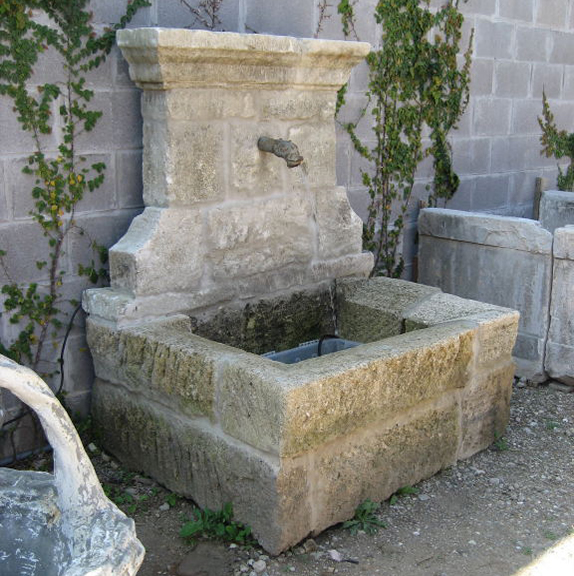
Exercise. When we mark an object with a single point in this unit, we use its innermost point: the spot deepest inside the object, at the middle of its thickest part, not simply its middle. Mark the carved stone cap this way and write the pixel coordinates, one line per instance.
(164, 58)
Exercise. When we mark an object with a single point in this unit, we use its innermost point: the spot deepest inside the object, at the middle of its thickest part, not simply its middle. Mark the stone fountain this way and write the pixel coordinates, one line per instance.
(237, 255)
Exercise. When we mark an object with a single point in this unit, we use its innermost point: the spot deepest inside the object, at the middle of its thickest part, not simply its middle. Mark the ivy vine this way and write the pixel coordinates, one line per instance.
(415, 83)
(557, 143)
(60, 176)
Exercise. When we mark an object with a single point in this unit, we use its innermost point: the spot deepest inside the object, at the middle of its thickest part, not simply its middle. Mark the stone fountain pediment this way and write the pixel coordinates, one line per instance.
(224, 221)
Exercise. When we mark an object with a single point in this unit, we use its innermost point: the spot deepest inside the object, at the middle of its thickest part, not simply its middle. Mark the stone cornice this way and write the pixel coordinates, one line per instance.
(164, 58)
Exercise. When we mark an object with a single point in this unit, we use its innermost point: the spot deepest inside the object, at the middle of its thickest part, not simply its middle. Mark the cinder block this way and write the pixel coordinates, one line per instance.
(494, 39)
(522, 190)
(549, 78)
(518, 153)
(471, 156)
(288, 19)
(482, 74)
(101, 137)
(127, 120)
(512, 79)
(78, 370)
(552, 14)
(14, 140)
(517, 10)
(128, 179)
(21, 185)
(5, 213)
(176, 15)
(21, 263)
(533, 44)
(462, 200)
(366, 27)
(110, 11)
(487, 7)
(568, 91)
(105, 227)
(562, 51)
(525, 114)
(491, 192)
(492, 116)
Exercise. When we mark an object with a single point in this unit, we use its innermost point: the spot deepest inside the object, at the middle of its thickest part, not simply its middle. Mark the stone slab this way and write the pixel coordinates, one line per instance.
(485, 229)
(556, 209)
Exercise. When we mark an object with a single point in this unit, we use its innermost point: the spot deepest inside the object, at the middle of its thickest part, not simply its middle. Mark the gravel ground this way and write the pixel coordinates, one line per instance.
(506, 511)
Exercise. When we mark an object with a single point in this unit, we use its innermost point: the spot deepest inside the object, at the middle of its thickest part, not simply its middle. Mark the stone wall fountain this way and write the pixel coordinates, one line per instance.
(237, 255)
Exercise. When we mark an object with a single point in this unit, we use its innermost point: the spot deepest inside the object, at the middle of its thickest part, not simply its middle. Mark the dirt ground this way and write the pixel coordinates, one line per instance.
(495, 514)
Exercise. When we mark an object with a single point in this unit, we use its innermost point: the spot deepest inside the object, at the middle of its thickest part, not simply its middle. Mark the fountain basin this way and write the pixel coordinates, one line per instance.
(59, 524)
(297, 447)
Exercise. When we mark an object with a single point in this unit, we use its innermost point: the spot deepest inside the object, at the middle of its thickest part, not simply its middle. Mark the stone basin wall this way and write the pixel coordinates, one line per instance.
(297, 447)
(523, 264)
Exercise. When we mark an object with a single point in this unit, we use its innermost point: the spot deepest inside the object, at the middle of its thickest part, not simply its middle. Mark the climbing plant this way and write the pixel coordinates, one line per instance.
(59, 175)
(557, 143)
(415, 84)
(206, 13)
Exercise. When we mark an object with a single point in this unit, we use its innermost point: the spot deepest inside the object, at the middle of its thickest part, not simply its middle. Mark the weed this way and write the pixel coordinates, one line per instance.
(404, 491)
(218, 524)
(500, 443)
(365, 518)
(124, 499)
(550, 535)
(527, 551)
(551, 425)
(171, 499)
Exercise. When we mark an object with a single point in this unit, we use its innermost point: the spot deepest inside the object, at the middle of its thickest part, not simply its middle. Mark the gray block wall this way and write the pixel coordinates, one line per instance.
(520, 46)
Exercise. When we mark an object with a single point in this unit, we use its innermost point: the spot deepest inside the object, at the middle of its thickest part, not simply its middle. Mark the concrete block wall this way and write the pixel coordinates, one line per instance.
(520, 46)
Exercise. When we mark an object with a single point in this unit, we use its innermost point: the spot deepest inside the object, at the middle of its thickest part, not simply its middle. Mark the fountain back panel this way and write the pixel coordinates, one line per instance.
(236, 255)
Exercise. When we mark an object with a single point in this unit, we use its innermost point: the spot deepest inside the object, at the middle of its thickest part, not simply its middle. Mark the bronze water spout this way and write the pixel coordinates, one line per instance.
(282, 148)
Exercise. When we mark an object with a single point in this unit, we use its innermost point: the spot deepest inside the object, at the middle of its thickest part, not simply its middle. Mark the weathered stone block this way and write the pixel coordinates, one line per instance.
(242, 243)
(142, 259)
(556, 210)
(162, 360)
(296, 105)
(370, 310)
(485, 409)
(254, 173)
(339, 229)
(377, 462)
(317, 144)
(182, 163)
(192, 460)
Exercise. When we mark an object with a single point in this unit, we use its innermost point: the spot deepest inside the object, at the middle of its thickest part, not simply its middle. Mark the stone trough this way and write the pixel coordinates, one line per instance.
(524, 264)
(237, 255)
